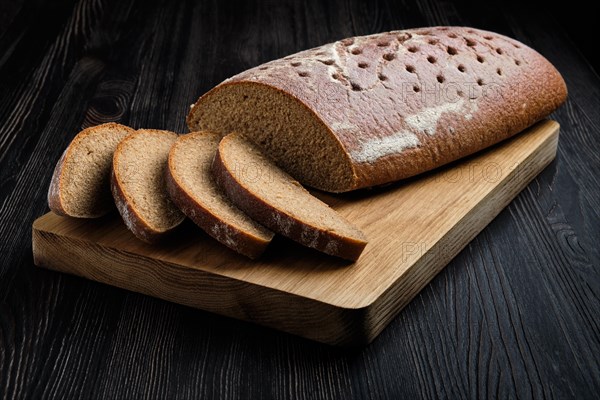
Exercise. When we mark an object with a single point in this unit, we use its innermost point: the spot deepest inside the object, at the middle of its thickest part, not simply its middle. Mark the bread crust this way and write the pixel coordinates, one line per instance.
(132, 219)
(273, 218)
(240, 241)
(54, 196)
(55, 201)
(134, 222)
(387, 98)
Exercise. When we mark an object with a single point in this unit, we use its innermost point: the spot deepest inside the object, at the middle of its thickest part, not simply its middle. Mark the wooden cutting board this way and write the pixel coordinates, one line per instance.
(414, 228)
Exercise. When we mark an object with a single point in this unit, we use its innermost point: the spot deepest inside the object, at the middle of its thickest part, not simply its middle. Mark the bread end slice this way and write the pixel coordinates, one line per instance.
(276, 200)
(80, 185)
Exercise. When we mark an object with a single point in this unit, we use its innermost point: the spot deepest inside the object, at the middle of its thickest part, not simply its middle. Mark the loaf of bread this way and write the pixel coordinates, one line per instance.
(276, 200)
(192, 188)
(80, 185)
(139, 187)
(369, 110)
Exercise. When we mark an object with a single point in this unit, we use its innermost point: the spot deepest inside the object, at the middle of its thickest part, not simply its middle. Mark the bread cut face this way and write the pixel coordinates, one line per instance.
(80, 185)
(139, 185)
(193, 189)
(273, 198)
(281, 125)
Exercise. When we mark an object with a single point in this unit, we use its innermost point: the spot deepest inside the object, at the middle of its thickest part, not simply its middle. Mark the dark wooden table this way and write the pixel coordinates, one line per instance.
(515, 315)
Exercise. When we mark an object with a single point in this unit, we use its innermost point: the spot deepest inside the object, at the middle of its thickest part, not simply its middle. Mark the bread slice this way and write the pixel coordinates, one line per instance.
(192, 188)
(374, 109)
(80, 185)
(138, 184)
(276, 200)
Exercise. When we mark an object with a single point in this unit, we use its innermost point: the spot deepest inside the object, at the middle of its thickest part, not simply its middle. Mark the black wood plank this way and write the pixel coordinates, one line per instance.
(515, 315)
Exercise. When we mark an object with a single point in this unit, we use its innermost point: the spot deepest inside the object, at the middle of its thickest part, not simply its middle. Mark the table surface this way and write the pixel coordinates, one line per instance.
(514, 315)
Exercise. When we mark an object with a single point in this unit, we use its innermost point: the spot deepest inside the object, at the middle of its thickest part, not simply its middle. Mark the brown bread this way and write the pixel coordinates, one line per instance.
(369, 110)
(192, 188)
(138, 184)
(80, 185)
(276, 200)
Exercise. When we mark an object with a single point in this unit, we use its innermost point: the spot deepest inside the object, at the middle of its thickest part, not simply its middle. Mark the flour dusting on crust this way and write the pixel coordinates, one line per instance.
(379, 147)
(124, 210)
(310, 237)
(223, 234)
(332, 247)
(283, 224)
(54, 200)
(426, 121)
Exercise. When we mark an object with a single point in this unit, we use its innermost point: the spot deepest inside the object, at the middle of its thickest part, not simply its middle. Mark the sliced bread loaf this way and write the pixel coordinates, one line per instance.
(276, 200)
(80, 185)
(138, 184)
(369, 110)
(193, 189)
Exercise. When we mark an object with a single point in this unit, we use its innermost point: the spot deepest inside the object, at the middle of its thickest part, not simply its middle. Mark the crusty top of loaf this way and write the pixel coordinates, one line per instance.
(435, 81)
